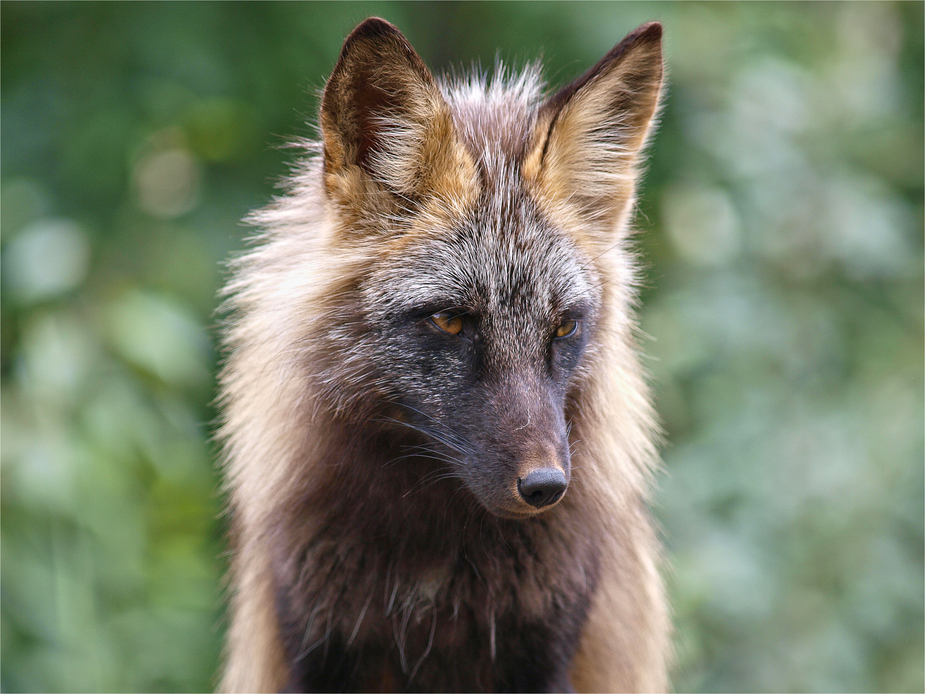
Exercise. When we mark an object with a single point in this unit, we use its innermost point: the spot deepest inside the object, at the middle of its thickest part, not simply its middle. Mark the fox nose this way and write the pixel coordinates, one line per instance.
(543, 486)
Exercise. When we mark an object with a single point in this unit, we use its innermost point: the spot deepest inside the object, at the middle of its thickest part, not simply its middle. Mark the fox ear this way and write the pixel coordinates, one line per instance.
(383, 119)
(589, 136)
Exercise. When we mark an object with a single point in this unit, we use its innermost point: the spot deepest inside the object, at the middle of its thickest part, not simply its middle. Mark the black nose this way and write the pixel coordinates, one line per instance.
(542, 487)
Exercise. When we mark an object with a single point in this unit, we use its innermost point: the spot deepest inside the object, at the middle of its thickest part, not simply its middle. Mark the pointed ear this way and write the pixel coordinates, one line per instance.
(384, 120)
(588, 137)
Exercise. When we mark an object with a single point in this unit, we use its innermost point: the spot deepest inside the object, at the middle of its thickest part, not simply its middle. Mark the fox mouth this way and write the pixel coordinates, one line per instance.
(523, 513)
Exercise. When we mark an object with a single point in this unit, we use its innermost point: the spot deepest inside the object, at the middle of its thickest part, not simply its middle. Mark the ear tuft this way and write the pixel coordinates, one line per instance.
(373, 27)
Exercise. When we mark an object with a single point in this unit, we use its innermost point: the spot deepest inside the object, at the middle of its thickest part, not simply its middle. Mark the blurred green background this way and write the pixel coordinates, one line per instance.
(783, 231)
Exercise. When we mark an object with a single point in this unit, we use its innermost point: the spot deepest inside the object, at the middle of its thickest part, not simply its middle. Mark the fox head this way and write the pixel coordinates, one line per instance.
(469, 225)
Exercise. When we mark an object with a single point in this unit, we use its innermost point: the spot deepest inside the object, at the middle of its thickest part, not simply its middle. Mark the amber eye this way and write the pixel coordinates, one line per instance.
(567, 327)
(447, 322)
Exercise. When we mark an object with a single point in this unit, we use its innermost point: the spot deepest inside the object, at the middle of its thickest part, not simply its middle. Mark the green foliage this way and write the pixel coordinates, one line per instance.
(783, 224)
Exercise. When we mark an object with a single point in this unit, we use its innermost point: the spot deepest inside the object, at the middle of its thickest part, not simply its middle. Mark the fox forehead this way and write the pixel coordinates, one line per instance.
(501, 257)
(495, 117)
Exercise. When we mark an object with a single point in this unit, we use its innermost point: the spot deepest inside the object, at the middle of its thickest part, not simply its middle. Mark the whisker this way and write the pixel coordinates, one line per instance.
(447, 431)
(440, 438)
(430, 479)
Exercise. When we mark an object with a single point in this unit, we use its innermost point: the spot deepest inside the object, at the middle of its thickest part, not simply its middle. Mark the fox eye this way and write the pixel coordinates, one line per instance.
(448, 322)
(566, 328)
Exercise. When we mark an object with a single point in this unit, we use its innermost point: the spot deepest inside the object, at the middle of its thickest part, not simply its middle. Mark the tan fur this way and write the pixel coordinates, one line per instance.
(354, 209)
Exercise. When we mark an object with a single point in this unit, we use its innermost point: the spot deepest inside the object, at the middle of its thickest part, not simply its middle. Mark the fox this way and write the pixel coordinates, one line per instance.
(439, 442)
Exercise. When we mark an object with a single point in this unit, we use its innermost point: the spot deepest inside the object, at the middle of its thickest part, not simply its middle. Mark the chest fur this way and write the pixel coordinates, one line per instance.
(474, 611)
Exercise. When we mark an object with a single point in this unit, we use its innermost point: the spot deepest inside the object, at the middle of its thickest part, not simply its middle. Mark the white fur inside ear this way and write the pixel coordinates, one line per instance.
(395, 163)
(404, 139)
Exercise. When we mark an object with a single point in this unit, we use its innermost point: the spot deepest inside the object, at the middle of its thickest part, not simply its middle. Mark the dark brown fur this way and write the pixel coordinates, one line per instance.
(374, 461)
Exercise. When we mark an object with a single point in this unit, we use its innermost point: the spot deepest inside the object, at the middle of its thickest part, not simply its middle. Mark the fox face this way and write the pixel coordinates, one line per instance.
(483, 328)
(471, 229)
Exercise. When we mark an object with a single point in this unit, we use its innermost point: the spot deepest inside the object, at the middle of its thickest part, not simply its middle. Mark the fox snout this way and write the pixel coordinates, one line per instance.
(525, 463)
(541, 479)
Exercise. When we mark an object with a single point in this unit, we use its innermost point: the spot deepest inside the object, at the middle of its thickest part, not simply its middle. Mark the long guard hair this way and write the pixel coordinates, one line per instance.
(432, 338)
